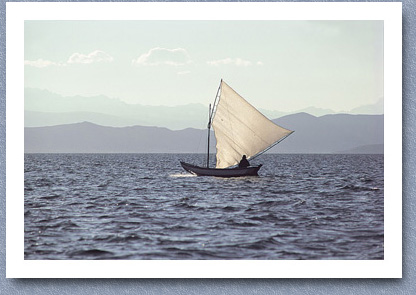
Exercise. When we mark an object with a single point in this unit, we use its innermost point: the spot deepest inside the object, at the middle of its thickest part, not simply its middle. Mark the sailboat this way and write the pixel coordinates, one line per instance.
(240, 129)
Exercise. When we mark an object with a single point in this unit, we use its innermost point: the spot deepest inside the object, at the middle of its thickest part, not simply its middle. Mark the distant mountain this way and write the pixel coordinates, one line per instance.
(330, 133)
(315, 111)
(40, 119)
(91, 138)
(44, 108)
(326, 134)
(272, 114)
(371, 109)
(310, 110)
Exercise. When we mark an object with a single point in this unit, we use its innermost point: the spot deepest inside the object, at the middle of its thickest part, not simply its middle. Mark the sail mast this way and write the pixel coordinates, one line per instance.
(209, 131)
(211, 112)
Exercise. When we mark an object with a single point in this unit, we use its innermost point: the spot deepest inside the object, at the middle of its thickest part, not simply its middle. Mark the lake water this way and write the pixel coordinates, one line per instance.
(145, 206)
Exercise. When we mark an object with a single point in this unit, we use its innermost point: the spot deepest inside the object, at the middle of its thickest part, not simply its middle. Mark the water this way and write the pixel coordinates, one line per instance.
(145, 206)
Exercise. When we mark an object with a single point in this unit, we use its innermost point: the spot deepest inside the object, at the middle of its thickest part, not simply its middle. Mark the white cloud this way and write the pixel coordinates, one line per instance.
(239, 62)
(93, 57)
(163, 56)
(76, 58)
(41, 63)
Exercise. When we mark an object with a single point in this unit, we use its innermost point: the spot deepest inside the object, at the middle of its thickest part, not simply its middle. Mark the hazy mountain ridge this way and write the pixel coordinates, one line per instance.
(87, 137)
(41, 119)
(330, 133)
(44, 108)
(376, 108)
(326, 134)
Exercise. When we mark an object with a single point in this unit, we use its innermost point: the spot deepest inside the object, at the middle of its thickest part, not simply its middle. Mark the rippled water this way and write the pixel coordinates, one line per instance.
(145, 206)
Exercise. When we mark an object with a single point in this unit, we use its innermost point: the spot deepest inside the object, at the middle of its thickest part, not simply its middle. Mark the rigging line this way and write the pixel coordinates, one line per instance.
(268, 148)
(210, 118)
(214, 106)
(198, 150)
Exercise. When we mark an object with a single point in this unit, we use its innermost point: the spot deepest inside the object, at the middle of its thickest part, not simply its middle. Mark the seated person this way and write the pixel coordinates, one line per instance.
(244, 162)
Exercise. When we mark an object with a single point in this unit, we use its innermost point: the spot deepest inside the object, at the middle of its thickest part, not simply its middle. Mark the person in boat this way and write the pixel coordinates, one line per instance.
(244, 162)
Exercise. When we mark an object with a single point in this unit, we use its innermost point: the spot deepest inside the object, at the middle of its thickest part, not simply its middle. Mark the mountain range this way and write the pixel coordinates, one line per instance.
(336, 133)
(44, 108)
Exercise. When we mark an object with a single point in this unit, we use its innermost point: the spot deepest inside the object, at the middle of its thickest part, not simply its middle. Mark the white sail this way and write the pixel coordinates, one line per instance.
(240, 129)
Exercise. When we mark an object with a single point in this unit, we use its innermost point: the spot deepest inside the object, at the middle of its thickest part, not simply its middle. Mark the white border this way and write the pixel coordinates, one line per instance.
(17, 267)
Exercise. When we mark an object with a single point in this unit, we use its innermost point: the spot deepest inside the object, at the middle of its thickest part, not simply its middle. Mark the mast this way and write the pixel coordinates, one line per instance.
(211, 112)
(209, 130)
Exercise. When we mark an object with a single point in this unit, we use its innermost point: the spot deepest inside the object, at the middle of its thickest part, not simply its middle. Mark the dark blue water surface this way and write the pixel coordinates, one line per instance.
(145, 206)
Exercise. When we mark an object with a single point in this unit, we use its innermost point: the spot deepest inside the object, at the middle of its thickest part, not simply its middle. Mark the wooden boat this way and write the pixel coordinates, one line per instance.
(240, 129)
(221, 172)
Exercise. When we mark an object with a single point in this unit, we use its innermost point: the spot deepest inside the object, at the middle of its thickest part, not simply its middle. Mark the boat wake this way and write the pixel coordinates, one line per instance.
(182, 175)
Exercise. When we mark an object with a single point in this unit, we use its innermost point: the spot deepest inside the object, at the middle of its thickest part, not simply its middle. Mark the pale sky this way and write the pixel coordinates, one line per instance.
(275, 65)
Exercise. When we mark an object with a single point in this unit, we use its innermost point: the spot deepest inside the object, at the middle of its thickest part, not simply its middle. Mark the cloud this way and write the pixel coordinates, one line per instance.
(41, 63)
(93, 57)
(239, 62)
(163, 56)
(76, 58)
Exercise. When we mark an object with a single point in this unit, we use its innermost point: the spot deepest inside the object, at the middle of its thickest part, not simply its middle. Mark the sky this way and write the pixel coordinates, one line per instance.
(275, 65)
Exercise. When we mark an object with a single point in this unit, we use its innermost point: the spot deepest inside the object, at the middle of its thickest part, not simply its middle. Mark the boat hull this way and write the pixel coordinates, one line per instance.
(228, 172)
